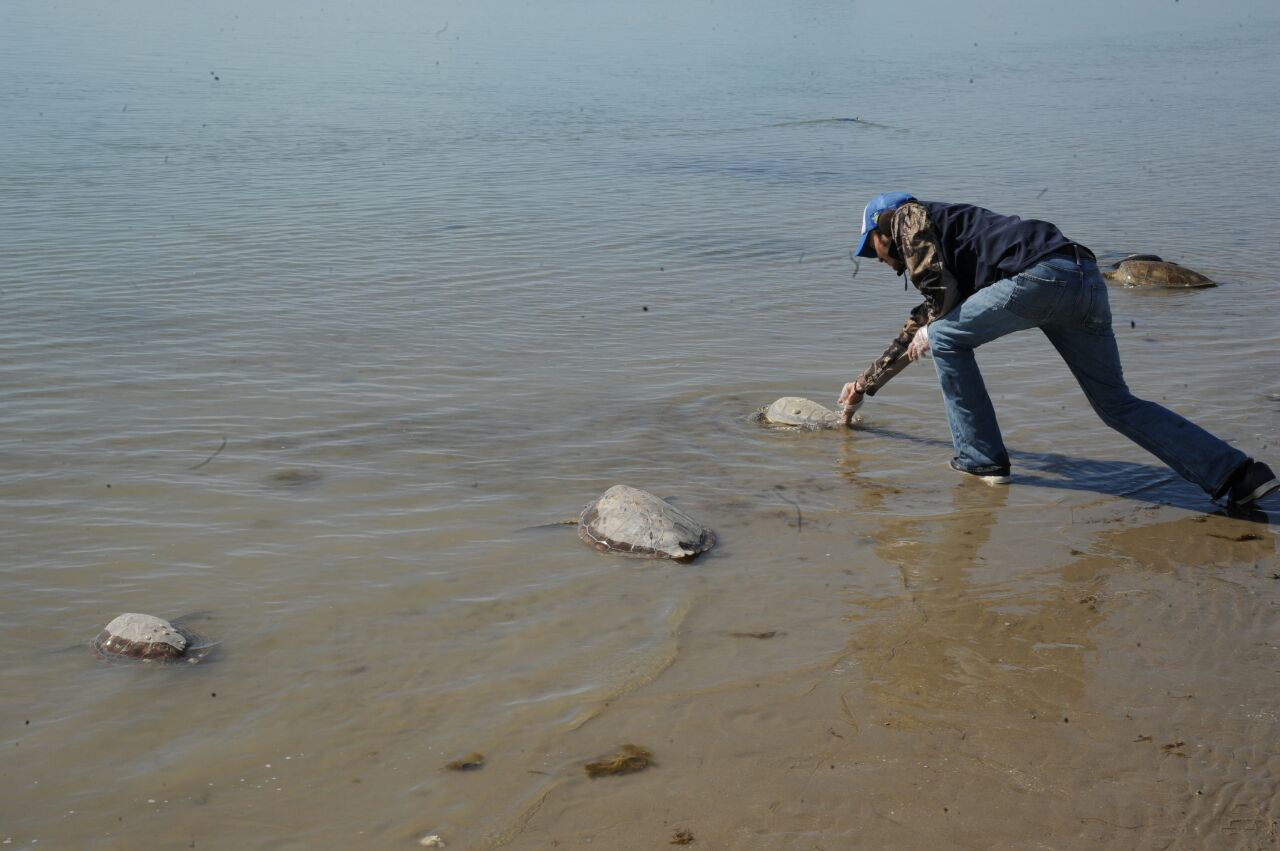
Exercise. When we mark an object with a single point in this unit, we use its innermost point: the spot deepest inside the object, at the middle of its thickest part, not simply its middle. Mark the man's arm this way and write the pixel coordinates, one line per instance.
(917, 242)
(894, 359)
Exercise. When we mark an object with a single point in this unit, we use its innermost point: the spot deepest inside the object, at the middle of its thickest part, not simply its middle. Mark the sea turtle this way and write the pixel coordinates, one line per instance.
(798, 413)
(142, 637)
(1148, 270)
(153, 639)
(632, 522)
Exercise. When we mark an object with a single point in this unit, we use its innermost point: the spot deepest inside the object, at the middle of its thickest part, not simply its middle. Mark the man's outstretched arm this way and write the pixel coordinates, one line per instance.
(917, 242)
(889, 364)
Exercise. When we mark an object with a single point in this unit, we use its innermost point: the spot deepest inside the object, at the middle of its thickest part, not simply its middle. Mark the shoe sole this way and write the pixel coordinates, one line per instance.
(990, 480)
(1259, 492)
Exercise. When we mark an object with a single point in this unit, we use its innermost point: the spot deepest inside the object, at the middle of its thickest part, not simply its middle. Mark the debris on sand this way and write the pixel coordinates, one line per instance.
(628, 760)
(682, 837)
(470, 763)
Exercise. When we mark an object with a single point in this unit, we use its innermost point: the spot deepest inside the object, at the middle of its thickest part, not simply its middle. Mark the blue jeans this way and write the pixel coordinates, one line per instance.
(1066, 300)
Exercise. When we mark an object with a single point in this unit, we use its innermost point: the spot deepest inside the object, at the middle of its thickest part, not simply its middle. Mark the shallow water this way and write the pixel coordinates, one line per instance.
(314, 320)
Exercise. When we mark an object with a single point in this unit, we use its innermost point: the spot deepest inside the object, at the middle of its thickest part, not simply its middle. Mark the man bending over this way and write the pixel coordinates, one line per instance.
(984, 275)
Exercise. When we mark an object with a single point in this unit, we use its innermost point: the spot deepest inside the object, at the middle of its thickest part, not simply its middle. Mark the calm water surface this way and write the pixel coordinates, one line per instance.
(311, 319)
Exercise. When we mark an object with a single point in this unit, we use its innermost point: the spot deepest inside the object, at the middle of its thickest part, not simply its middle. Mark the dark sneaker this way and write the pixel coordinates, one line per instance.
(990, 475)
(1254, 481)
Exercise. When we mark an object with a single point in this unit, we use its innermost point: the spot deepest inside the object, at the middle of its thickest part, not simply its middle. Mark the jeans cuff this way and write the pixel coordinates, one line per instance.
(1230, 479)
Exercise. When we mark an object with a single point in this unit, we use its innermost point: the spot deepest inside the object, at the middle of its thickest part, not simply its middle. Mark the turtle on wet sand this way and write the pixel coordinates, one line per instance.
(632, 522)
(795, 412)
(1148, 270)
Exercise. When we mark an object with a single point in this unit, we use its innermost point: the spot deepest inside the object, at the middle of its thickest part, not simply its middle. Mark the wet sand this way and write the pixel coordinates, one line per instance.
(988, 668)
(1121, 698)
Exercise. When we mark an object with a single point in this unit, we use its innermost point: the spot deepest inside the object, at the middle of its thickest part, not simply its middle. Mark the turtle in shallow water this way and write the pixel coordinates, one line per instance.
(632, 522)
(795, 412)
(152, 639)
(1148, 270)
(140, 636)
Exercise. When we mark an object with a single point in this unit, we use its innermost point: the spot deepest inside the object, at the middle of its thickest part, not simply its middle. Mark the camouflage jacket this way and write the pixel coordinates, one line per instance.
(910, 230)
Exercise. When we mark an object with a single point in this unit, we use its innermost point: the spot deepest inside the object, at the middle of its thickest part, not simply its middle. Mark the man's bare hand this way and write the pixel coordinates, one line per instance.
(851, 398)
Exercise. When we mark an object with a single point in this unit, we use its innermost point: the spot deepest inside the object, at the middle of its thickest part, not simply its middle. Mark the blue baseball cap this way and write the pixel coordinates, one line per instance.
(871, 215)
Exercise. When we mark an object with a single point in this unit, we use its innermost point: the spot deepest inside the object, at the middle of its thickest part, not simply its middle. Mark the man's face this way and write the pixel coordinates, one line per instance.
(881, 243)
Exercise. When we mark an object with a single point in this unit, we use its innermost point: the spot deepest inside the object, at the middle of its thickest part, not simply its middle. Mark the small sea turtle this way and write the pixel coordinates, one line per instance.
(153, 639)
(1148, 270)
(629, 521)
(142, 637)
(794, 412)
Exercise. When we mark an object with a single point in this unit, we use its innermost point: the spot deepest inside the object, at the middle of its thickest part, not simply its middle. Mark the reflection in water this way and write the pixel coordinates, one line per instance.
(961, 640)
(968, 635)
(870, 495)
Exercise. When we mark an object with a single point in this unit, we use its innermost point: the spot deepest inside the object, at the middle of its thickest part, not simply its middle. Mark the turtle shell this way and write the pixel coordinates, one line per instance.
(632, 522)
(799, 413)
(138, 636)
(1157, 273)
(1156, 257)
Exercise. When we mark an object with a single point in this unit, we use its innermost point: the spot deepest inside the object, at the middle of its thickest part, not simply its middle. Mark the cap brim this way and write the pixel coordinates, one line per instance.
(866, 248)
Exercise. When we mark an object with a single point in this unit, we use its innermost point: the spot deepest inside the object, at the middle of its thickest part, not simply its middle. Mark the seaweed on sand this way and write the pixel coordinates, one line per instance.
(628, 759)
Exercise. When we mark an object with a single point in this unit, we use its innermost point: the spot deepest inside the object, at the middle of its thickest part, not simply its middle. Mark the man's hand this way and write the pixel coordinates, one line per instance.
(851, 398)
(919, 346)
